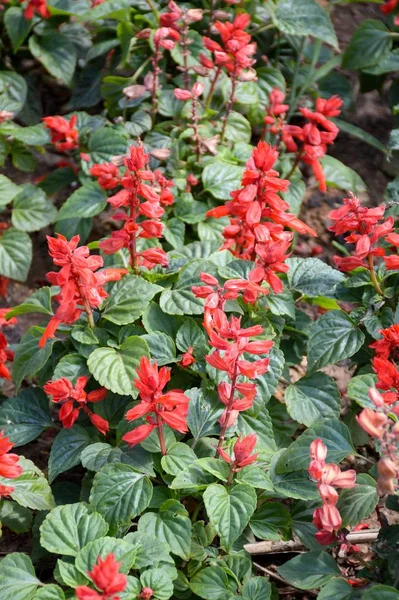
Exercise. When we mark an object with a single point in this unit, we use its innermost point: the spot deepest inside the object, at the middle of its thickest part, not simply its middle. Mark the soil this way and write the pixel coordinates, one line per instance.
(370, 112)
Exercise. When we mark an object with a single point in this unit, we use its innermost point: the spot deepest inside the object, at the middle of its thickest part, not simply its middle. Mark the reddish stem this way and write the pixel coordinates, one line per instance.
(373, 275)
(228, 410)
(132, 244)
(154, 94)
(194, 115)
(229, 104)
(185, 53)
(212, 88)
(161, 435)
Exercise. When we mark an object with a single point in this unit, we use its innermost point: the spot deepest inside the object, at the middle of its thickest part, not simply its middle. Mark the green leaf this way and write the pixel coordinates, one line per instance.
(116, 369)
(15, 254)
(151, 552)
(179, 457)
(333, 337)
(193, 477)
(263, 427)
(67, 529)
(162, 347)
(272, 521)
(96, 456)
(24, 417)
(49, 592)
(174, 232)
(334, 434)
(139, 122)
(238, 127)
(15, 517)
(203, 413)
(380, 592)
(128, 300)
(71, 366)
(108, 9)
(369, 45)
(309, 570)
(267, 383)
(35, 135)
(8, 190)
(31, 488)
(338, 589)
(159, 581)
(255, 477)
(357, 503)
(229, 510)
(38, 302)
(29, 358)
(22, 158)
(181, 302)
(339, 175)
(18, 577)
(211, 583)
(358, 389)
(31, 209)
(257, 588)
(171, 525)
(120, 493)
(13, 91)
(312, 277)
(86, 202)
(124, 553)
(219, 179)
(66, 450)
(56, 53)
(67, 574)
(313, 398)
(105, 143)
(304, 17)
(17, 26)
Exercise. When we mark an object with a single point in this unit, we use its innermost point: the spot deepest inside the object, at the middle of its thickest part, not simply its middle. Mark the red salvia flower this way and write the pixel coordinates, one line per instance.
(389, 344)
(107, 578)
(143, 201)
(160, 408)
(187, 358)
(9, 467)
(242, 450)
(73, 398)
(389, 6)
(64, 134)
(328, 477)
(36, 6)
(82, 289)
(107, 174)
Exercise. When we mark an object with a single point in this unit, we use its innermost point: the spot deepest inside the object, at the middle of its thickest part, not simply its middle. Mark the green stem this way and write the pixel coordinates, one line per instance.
(153, 10)
(196, 512)
(373, 276)
(212, 88)
(161, 436)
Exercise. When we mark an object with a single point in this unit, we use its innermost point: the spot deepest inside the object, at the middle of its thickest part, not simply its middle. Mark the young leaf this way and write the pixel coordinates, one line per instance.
(229, 510)
(116, 369)
(67, 529)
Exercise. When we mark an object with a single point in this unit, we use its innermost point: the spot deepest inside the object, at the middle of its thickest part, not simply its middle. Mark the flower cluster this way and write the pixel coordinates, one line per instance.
(64, 134)
(160, 408)
(366, 229)
(328, 477)
(242, 450)
(82, 289)
(143, 202)
(9, 467)
(389, 7)
(310, 141)
(107, 579)
(73, 399)
(231, 342)
(235, 53)
(258, 216)
(377, 422)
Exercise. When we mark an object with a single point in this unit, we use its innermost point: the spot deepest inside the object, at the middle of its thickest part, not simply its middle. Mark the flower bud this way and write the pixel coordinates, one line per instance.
(387, 468)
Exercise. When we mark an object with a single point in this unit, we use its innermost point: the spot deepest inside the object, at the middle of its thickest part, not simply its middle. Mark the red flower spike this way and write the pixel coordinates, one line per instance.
(81, 286)
(170, 407)
(36, 6)
(64, 134)
(106, 577)
(73, 398)
(107, 174)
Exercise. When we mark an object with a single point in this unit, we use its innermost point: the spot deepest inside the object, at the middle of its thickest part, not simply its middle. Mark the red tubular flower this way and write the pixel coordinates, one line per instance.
(168, 408)
(187, 358)
(81, 287)
(107, 174)
(389, 6)
(38, 6)
(9, 467)
(5, 355)
(3, 286)
(144, 201)
(106, 577)
(64, 134)
(243, 456)
(389, 344)
(73, 398)
(328, 477)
